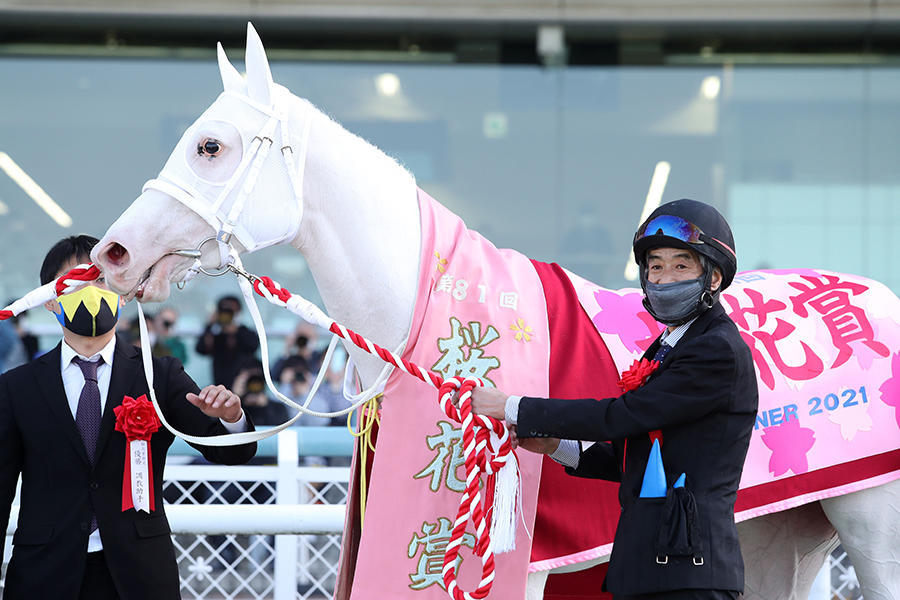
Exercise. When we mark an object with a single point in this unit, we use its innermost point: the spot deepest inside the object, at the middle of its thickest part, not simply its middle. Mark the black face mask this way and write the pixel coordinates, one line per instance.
(89, 312)
(680, 301)
(675, 303)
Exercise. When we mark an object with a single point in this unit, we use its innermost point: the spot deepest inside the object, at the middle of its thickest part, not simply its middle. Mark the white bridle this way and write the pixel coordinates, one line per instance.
(175, 181)
(226, 223)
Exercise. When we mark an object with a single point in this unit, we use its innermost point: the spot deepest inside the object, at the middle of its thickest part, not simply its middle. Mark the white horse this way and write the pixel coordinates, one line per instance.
(352, 212)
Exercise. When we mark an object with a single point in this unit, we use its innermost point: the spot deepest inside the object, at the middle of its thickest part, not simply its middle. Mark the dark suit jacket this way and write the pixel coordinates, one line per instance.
(38, 438)
(703, 398)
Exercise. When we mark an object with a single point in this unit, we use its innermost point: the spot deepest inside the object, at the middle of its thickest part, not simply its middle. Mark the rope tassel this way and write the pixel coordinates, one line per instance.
(507, 506)
(482, 437)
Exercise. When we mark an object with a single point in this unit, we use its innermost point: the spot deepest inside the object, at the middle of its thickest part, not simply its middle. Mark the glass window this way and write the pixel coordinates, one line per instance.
(556, 163)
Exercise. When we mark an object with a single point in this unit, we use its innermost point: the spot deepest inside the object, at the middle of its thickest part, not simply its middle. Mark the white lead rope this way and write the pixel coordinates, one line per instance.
(302, 308)
(297, 305)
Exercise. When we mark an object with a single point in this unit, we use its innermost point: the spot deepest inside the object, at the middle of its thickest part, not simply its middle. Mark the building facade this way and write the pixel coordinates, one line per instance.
(548, 126)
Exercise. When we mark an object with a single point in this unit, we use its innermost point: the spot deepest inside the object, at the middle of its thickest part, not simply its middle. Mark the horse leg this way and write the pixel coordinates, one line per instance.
(584, 587)
(784, 551)
(534, 587)
(868, 523)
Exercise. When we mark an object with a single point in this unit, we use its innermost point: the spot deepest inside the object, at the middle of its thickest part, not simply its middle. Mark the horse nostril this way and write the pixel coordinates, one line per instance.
(117, 253)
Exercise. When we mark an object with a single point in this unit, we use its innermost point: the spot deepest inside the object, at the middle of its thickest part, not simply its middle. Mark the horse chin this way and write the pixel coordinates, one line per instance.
(153, 290)
(155, 286)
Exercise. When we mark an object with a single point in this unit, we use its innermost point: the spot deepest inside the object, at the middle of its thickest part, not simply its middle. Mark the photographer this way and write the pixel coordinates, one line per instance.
(167, 343)
(251, 387)
(231, 345)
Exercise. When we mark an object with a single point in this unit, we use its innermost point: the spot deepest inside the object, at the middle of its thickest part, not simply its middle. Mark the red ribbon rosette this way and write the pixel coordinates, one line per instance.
(136, 418)
(632, 379)
(637, 374)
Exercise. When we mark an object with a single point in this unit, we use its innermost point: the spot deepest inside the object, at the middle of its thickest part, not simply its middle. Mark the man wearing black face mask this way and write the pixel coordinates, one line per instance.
(231, 345)
(677, 442)
(78, 535)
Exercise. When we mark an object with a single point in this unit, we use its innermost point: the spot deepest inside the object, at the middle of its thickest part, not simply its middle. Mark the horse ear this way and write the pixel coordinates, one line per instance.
(259, 77)
(231, 79)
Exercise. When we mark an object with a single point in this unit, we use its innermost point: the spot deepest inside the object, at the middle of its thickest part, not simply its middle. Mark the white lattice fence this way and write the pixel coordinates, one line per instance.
(273, 531)
(253, 532)
(841, 577)
(251, 566)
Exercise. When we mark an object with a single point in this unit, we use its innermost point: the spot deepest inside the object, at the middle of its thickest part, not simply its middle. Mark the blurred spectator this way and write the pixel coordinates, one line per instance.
(167, 343)
(251, 387)
(131, 331)
(328, 398)
(29, 340)
(300, 353)
(231, 345)
(12, 352)
(296, 372)
(332, 389)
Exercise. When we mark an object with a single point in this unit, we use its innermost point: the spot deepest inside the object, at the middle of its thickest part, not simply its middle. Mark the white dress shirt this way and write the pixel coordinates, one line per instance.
(73, 382)
(568, 453)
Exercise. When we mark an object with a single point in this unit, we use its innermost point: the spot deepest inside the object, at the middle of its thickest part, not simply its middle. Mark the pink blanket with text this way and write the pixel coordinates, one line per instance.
(825, 348)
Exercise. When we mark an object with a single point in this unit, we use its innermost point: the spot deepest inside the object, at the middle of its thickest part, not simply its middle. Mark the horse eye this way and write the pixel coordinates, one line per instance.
(210, 147)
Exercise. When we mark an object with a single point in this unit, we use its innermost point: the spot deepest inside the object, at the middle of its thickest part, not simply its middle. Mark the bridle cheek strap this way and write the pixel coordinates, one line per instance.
(226, 224)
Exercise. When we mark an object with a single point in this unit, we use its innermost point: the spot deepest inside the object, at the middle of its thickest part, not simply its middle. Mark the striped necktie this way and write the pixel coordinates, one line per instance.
(87, 417)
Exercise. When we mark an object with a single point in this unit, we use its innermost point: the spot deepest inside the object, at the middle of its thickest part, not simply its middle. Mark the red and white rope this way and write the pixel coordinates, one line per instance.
(486, 443)
(482, 454)
(64, 284)
(76, 278)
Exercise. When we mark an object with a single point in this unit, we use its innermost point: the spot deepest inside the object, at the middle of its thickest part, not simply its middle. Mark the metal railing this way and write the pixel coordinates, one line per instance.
(256, 531)
(274, 530)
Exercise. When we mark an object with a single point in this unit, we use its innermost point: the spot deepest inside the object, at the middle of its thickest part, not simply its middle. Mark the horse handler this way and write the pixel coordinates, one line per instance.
(77, 424)
(677, 438)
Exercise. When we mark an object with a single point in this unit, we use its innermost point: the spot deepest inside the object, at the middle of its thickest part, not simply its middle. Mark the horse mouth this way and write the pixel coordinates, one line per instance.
(138, 290)
(153, 285)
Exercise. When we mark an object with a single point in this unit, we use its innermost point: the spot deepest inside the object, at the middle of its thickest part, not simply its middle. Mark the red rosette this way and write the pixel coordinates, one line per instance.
(637, 375)
(136, 418)
(632, 379)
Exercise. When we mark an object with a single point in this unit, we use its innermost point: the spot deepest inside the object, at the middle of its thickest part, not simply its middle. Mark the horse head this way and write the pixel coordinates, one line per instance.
(247, 146)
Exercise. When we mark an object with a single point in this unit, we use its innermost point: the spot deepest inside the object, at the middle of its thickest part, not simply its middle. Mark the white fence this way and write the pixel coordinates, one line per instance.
(274, 531)
(257, 531)
(254, 532)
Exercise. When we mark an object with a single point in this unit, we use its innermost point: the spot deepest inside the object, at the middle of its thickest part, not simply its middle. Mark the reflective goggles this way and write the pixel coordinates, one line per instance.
(673, 227)
(679, 229)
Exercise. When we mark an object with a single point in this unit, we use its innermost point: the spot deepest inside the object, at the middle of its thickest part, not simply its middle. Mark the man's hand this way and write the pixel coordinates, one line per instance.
(536, 445)
(489, 402)
(218, 402)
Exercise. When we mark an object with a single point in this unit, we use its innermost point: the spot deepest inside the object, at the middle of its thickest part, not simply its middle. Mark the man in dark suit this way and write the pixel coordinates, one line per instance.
(57, 429)
(678, 440)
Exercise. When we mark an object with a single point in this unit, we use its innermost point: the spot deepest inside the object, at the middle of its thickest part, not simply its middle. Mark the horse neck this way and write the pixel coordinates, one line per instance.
(361, 237)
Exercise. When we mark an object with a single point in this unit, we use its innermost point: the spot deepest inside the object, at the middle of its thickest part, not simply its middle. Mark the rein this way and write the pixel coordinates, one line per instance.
(486, 442)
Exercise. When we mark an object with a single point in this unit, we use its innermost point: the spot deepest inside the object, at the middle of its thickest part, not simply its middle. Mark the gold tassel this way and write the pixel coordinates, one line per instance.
(368, 417)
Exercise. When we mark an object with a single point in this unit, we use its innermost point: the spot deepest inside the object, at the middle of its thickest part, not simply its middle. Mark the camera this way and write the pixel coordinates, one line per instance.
(255, 384)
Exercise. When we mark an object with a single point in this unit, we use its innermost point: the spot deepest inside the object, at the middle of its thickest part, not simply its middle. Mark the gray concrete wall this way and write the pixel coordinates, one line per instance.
(577, 12)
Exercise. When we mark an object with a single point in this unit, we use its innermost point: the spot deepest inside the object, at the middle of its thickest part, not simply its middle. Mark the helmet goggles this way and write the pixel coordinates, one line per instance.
(677, 228)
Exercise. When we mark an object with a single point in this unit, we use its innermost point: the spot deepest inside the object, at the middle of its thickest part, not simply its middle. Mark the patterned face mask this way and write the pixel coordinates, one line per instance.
(89, 312)
(677, 302)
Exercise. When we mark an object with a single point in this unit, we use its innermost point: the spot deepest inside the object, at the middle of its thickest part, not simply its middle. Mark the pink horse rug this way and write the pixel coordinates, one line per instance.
(828, 420)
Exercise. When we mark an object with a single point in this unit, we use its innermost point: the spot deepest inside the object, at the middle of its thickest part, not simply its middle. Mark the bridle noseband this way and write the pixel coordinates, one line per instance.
(226, 223)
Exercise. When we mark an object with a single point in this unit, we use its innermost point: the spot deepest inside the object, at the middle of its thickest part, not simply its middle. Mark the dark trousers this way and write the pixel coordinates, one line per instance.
(684, 595)
(97, 583)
